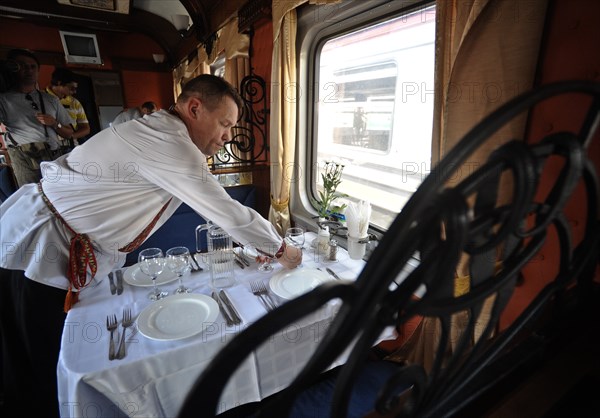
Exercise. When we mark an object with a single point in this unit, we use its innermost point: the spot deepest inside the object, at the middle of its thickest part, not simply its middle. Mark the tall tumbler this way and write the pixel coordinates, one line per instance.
(220, 255)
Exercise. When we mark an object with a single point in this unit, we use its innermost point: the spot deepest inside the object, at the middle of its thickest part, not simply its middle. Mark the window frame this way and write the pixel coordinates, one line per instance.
(317, 25)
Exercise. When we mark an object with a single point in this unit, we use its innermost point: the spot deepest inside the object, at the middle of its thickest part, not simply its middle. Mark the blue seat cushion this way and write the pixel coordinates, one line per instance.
(315, 402)
(180, 229)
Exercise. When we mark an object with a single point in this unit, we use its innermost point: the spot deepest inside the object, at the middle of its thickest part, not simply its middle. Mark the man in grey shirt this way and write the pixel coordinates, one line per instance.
(33, 120)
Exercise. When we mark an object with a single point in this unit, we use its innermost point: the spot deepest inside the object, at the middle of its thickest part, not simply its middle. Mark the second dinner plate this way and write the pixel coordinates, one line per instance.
(178, 316)
(135, 277)
(289, 284)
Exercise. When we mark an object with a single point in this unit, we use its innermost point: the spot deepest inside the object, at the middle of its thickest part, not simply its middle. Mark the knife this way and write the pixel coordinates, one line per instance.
(335, 276)
(241, 259)
(119, 282)
(239, 263)
(237, 319)
(113, 288)
(228, 319)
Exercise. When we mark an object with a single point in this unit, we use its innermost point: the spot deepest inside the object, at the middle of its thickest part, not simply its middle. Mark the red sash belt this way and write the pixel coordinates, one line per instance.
(81, 252)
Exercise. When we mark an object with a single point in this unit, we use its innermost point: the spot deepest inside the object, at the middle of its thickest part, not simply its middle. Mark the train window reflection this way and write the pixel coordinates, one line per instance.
(364, 106)
(375, 110)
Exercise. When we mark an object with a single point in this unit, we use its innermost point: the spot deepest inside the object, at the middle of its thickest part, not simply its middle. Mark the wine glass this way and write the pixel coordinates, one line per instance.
(265, 266)
(294, 237)
(152, 262)
(178, 261)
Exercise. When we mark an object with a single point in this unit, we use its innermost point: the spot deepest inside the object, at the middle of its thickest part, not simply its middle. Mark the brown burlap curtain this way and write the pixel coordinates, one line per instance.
(485, 56)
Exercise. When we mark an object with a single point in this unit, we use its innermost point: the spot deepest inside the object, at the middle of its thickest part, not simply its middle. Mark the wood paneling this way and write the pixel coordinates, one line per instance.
(569, 52)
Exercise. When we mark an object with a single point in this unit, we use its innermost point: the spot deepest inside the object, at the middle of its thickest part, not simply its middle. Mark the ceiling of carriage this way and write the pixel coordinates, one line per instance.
(153, 18)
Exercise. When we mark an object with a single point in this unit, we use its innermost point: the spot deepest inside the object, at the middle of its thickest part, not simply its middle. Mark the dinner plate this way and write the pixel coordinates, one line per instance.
(289, 284)
(176, 317)
(135, 277)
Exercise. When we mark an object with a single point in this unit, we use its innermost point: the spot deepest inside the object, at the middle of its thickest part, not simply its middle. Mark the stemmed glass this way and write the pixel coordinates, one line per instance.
(294, 237)
(266, 266)
(178, 261)
(152, 262)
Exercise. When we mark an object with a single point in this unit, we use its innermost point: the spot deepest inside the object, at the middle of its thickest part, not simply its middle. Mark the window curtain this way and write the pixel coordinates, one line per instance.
(228, 41)
(188, 69)
(283, 108)
(486, 54)
(235, 71)
(236, 47)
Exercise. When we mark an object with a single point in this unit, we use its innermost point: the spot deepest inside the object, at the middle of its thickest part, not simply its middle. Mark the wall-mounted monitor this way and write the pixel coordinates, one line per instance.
(80, 48)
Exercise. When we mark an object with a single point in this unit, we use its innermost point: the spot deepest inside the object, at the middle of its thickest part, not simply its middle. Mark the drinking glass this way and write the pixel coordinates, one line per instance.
(152, 262)
(294, 237)
(265, 266)
(178, 261)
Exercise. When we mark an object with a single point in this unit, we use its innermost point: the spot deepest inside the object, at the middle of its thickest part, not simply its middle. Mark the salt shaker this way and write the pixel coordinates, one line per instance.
(333, 250)
(323, 240)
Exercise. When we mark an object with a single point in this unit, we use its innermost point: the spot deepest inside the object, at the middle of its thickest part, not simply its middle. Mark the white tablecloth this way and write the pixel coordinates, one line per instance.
(155, 376)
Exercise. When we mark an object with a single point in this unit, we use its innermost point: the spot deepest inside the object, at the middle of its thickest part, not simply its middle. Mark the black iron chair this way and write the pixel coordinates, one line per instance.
(440, 225)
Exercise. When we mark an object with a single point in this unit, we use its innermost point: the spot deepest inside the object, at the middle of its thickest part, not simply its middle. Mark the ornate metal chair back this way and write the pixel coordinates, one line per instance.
(471, 225)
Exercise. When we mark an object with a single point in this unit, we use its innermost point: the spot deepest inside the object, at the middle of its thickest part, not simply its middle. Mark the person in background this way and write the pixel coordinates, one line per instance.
(147, 108)
(64, 85)
(33, 120)
(99, 202)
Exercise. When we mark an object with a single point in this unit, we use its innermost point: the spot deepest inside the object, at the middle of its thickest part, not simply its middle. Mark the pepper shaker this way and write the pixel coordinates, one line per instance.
(333, 250)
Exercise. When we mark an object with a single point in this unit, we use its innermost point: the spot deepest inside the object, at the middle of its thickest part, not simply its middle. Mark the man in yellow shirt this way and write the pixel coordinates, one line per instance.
(64, 86)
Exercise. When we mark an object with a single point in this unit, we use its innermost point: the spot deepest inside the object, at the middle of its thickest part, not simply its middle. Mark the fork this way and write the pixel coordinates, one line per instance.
(111, 325)
(125, 323)
(263, 289)
(258, 289)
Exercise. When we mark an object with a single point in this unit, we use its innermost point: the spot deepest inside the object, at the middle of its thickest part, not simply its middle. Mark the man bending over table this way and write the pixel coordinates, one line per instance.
(93, 206)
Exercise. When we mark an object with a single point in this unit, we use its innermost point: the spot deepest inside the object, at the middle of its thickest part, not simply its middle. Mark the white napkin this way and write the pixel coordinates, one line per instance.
(357, 218)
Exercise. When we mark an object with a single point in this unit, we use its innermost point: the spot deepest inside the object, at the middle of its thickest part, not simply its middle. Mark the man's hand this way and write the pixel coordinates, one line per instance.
(46, 119)
(64, 131)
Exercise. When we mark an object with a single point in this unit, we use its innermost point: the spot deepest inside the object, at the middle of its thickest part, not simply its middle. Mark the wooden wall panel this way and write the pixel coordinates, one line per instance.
(570, 52)
(129, 54)
(142, 86)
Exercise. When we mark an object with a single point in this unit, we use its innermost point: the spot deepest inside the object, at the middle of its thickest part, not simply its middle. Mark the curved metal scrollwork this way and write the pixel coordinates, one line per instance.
(498, 232)
(249, 144)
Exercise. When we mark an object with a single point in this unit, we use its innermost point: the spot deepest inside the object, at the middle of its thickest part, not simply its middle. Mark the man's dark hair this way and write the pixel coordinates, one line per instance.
(211, 90)
(62, 76)
(151, 106)
(20, 52)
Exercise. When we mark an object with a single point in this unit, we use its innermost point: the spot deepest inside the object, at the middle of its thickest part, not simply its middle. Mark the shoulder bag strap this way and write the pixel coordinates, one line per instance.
(43, 108)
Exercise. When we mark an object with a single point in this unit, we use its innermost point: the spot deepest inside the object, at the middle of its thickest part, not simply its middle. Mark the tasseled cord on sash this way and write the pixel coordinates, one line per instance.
(81, 252)
(81, 255)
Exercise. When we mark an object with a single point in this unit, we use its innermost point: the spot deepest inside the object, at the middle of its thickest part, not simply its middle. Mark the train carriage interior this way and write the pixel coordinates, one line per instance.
(469, 129)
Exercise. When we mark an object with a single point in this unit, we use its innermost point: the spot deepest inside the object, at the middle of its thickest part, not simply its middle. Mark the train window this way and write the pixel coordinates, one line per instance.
(374, 109)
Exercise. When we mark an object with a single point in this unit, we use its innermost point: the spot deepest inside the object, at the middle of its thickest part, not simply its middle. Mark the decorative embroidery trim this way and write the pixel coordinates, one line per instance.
(81, 256)
(81, 252)
(133, 245)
